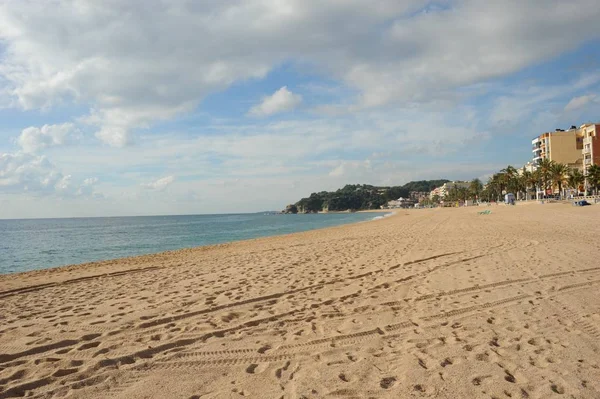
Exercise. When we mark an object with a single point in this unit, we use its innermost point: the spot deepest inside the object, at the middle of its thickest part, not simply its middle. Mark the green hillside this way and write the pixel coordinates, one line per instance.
(361, 196)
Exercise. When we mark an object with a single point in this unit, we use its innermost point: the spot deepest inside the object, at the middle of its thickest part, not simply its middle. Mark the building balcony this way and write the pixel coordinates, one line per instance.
(587, 161)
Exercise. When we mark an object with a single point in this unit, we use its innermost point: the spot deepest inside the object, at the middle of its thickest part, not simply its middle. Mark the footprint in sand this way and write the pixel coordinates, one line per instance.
(64, 372)
(557, 389)
(256, 368)
(387, 382)
(477, 380)
(509, 377)
(419, 388)
(88, 346)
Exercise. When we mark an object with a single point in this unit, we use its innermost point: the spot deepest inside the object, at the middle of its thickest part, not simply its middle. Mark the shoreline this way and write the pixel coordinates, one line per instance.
(436, 303)
(154, 255)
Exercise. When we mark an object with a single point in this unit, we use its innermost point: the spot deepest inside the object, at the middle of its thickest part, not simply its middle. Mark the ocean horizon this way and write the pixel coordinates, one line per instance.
(35, 244)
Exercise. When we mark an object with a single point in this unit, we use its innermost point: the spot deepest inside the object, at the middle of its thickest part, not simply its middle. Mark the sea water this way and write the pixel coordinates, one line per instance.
(30, 244)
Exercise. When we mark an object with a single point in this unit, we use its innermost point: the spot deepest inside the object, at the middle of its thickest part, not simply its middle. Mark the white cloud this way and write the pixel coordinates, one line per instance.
(87, 188)
(27, 172)
(131, 71)
(395, 172)
(280, 101)
(22, 172)
(90, 181)
(33, 139)
(64, 183)
(286, 149)
(580, 102)
(114, 136)
(159, 184)
(539, 107)
(354, 169)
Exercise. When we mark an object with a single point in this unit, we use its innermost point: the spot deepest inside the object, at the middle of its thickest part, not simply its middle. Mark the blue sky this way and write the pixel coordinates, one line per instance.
(249, 105)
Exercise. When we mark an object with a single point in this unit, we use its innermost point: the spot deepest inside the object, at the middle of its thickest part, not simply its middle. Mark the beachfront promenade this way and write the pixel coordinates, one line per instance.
(427, 303)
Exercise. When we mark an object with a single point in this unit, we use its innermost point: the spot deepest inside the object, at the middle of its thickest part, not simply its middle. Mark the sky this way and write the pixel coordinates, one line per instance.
(145, 107)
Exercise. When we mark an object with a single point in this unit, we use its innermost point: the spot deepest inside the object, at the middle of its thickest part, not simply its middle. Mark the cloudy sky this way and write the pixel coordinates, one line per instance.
(128, 107)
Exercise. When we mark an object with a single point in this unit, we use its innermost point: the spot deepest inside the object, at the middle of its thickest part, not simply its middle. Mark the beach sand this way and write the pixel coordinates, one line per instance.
(427, 303)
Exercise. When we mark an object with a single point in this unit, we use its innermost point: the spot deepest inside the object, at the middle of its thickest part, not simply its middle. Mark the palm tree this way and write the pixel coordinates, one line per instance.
(545, 174)
(528, 182)
(510, 178)
(593, 177)
(500, 181)
(509, 170)
(521, 184)
(575, 179)
(496, 185)
(532, 181)
(475, 188)
(463, 193)
(557, 174)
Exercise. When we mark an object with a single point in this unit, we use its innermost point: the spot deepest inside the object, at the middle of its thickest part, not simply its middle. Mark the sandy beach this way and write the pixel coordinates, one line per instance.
(429, 303)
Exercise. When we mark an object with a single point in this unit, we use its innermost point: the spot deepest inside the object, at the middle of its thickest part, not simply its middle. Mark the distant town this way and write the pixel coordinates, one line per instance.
(565, 164)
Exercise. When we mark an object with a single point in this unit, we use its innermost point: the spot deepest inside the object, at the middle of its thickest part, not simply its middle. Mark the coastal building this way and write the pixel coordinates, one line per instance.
(418, 195)
(562, 146)
(591, 145)
(445, 189)
(528, 167)
(435, 192)
(399, 203)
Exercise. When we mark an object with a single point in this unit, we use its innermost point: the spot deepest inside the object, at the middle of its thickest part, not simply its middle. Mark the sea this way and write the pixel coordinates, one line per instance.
(33, 244)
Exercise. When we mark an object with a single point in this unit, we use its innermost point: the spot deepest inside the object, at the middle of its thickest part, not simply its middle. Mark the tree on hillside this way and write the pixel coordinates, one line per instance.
(314, 203)
(393, 193)
(291, 209)
(424, 185)
(361, 196)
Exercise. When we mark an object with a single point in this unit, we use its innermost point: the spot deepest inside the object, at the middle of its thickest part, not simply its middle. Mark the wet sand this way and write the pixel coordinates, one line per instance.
(428, 303)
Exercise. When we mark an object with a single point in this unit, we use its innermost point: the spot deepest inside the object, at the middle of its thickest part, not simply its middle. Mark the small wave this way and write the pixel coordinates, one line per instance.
(383, 216)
